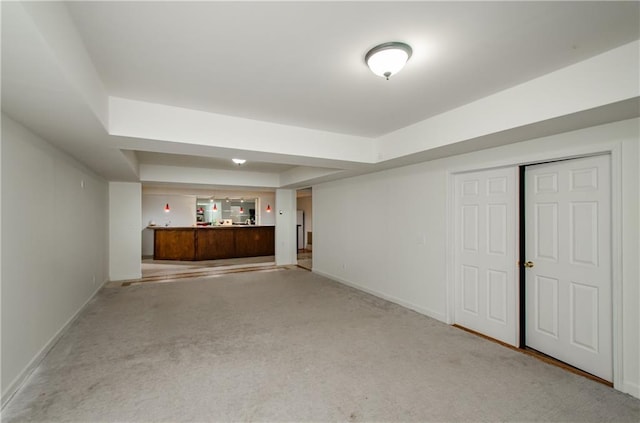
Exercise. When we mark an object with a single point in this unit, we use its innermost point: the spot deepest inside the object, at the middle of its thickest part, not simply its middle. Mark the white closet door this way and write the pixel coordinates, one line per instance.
(486, 251)
(568, 243)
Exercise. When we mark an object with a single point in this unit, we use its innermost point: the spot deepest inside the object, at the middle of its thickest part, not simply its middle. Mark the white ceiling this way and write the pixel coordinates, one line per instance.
(293, 72)
(302, 63)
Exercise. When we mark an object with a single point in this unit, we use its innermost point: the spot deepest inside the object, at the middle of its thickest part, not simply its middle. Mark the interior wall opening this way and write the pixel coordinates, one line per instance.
(304, 227)
(220, 219)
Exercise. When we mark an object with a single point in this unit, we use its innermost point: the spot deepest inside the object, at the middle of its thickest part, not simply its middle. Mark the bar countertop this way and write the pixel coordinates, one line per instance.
(154, 227)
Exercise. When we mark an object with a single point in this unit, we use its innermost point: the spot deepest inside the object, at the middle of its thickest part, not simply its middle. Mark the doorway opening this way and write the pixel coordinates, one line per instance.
(220, 217)
(304, 228)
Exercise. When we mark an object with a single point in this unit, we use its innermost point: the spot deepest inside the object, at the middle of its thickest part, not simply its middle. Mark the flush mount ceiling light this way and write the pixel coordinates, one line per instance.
(388, 59)
(239, 162)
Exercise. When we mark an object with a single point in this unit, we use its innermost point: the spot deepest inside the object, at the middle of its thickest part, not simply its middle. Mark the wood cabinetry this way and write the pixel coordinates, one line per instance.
(257, 242)
(218, 243)
(210, 243)
(174, 244)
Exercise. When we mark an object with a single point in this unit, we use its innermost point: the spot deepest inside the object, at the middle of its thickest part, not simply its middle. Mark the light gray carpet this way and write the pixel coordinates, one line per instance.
(289, 345)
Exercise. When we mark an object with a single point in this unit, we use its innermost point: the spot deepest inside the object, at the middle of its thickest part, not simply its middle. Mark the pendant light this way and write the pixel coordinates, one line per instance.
(388, 59)
(215, 207)
(268, 209)
(241, 209)
(167, 209)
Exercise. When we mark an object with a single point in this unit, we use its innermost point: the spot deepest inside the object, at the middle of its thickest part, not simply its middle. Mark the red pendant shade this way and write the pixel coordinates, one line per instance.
(268, 208)
(167, 209)
(215, 207)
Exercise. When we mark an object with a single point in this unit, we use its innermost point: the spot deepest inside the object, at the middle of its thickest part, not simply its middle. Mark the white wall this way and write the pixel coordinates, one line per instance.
(125, 244)
(285, 211)
(182, 210)
(267, 218)
(183, 213)
(397, 248)
(54, 246)
(3, 385)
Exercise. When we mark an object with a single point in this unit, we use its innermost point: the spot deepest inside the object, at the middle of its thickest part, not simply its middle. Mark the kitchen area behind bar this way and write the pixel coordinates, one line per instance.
(196, 224)
(213, 212)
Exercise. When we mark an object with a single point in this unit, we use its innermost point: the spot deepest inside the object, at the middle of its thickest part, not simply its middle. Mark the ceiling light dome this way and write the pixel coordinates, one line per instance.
(388, 59)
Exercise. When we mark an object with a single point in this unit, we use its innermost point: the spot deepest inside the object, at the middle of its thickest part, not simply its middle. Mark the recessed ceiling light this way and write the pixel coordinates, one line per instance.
(388, 59)
(239, 162)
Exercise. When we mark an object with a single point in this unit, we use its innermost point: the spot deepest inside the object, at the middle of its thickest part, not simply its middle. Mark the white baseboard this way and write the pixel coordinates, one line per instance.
(422, 310)
(17, 383)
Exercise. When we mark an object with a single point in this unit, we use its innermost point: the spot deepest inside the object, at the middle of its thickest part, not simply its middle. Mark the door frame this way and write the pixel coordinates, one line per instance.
(614, 149)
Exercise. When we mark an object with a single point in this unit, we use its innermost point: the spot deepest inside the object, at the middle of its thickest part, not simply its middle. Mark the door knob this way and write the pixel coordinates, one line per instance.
(528, 264)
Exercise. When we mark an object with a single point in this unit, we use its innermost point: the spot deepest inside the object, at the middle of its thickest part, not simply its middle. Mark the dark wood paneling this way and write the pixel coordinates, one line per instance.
(252, 242)
(218, 243)
(174, 244)
(213, 243)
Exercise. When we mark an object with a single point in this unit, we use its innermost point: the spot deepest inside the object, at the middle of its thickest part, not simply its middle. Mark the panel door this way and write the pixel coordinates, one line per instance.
(568, 243)
(486, 253)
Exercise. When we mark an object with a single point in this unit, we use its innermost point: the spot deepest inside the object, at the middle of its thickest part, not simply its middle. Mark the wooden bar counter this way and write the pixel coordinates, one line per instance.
(212, 242)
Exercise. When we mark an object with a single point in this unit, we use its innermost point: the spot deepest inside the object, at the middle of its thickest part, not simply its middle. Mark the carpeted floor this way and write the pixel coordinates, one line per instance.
(289, 345)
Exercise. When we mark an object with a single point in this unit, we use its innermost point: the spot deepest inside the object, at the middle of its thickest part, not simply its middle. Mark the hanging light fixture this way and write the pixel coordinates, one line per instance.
(268, 209)
(388, 59)
(239, 162)
(215, 207)
(167, 209)
(241, 209)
